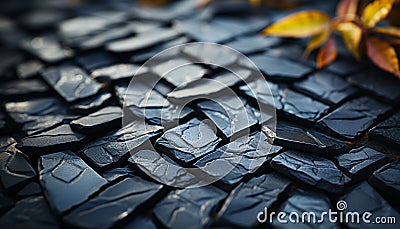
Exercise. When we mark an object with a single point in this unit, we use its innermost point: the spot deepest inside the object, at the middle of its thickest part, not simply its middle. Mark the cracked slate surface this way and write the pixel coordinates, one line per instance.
(387, 131)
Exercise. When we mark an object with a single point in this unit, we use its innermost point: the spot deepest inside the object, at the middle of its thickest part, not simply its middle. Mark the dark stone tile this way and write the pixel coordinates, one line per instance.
(9, 58)
(14, 168)
(362, 162)
(38, 114)
(140, 94)
(6, 142)
(206, 53)
(118, 72)
(278, 68)
(315, 171)
(91, 104)
(23, 89)
(117, 145)
(5, 203)
(71, 82)
(326, 86)
(113, 204)
(263, 92)
(293, 52)
(231, 114)
(59, 138)
(344, 66)
(387, 131)
(40, 19)
(189, 141)
(353, 118)
(47, 48)
(306, 201)
(67, 180)
(140, 222)
(297, 137)
(30, 189)
(248, 199)
(29, 69)
(364, 198)
(95, 60)
(142, 40)
(189, 207)
(106, 119)
(118, 173)
(252, 44)
(244, 156)
(377, 82)
(32, 212)
(387, 181)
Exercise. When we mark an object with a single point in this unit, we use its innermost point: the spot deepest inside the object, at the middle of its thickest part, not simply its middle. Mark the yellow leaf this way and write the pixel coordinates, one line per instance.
(390, 31)
(301, 24)
(376, 11)
(351, 35)
(327, 54)
(347, 9)
(383, 55)
(316, 41)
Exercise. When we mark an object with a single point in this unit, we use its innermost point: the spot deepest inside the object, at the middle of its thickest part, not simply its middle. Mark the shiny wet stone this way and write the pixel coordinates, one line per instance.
(353, 118)
(315, 171)
(59, 138)
(345, 66)
(95, 60)
(119, 173)
(242, 157)
(104, 120)
(189, 141)
(28, 213)
(189, 208)
(387, 181)
(117, 145)
(387, 131)
(327, 87)
(23, 89)
(67, 180)
(47, 48)
(249, 198)
(251, 44)
(118, 72)
(113, 204)
(91, 104)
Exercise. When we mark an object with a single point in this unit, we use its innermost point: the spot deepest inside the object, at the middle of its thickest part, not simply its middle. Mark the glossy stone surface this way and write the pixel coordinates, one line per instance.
(113, 204)
(106, 119)
(119, 173)
(251, 44)
(387, 181)
(315, 171)
(246, 200)
(387, 131)
(118, 72)
(67, 180)
(244, 156)
(91, 104)
(116, 145)
(23, 89)
(353, 118)
(175, 211)
(94, 60)
(189, 141)
(29, 212)
(71, 82)
(205, 53)
(47, 48)
(59, 138)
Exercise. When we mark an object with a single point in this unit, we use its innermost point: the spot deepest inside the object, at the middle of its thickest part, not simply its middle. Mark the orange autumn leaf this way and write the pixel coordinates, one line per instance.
(347, 9)
(316, 41)
(301, 24)
(376, 11)
(351, 34)
(383, 55)
(390, 31)
(327, 54)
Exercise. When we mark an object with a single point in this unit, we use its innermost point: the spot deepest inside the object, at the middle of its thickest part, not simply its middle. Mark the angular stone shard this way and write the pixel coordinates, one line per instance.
(387, 181)
(315, 171)
(140, 94)
(248, 199)
(116, 145)
(91, 104)
(189, 141)
(113, 204)
(105, 120)
(387, 131)
(67, 180)
(71, 82)
(189, 208)
(353, 118)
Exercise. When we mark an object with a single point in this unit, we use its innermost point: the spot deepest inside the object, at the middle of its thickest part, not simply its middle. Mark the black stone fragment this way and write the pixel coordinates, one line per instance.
(362, 162)
(32, 212)
(59, 138)
(95, 60)
(189, 208)
(142, 40)
(326, 86)
(264, 92)
(230, 114)
(29, 69)
(189, 141)
(387, 181)
(363, 198)
(9, 58)
(104, 120)
(140, 222)
(294, 136)
(47, 48)
(117, 145)
(292, 52)
(387, 131)
(38, 114)
(5, 203)
(315, 171)
(140, 94)
(91, 104)
(67, 180)
(203, 52)
(248, 199)
(30, 189)
(118, 173)
(113, 204)
(71, 82)
(353, 118)
(118, 72)
(240, 157)
(251, 44)
(344, 66)
(23, 89)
